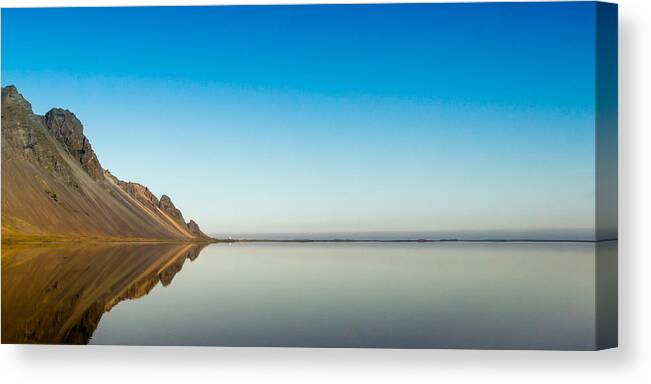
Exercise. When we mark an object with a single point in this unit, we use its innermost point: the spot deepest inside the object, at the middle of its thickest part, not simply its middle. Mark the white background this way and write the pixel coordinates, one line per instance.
(629, 363)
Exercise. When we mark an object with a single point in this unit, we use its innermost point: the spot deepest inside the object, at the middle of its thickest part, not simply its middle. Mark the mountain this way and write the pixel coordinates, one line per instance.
(54, 187)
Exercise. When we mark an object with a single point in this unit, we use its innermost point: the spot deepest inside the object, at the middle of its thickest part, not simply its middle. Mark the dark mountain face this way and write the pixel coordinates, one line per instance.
(53, 185)
(67, 129)
(166, 205)
(195, 230)
(24, 138)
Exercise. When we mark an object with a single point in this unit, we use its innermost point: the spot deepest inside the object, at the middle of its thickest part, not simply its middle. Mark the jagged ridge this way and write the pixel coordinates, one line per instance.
(53, 185)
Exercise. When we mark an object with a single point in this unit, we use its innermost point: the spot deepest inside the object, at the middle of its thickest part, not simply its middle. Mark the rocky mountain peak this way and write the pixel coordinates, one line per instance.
(12, 99)
(24, 135)
(193, 227)
(166, 205)
(68, 130)
(10, 89)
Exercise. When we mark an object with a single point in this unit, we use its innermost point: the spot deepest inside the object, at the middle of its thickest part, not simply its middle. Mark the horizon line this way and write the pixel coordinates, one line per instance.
(231, 240)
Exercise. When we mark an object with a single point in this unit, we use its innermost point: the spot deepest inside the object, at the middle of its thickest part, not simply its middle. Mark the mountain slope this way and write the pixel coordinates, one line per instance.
(53, 186)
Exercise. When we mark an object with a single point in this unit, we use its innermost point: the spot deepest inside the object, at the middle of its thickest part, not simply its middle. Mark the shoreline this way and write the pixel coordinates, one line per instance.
(64, 240)
(44, 240)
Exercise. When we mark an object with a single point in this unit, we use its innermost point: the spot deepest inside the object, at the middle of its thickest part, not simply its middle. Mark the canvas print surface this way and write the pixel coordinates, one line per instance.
(385, 176)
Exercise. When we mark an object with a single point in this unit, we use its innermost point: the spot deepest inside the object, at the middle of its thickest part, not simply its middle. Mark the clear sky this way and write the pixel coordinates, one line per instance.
(330, 118)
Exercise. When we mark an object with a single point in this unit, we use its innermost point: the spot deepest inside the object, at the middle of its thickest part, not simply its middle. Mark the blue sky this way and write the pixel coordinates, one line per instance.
(330, 118)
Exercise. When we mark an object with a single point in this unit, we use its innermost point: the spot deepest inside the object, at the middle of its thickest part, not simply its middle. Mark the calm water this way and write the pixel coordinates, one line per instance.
(415, 295)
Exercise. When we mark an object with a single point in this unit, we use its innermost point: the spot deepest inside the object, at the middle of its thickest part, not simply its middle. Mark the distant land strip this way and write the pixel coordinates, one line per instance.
(409, 241)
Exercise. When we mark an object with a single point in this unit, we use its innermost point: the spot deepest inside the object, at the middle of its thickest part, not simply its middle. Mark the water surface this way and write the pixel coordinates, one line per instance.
(395, 295)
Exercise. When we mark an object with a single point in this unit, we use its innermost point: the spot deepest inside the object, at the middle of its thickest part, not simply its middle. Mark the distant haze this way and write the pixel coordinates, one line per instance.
(509, 234)
(439, 119)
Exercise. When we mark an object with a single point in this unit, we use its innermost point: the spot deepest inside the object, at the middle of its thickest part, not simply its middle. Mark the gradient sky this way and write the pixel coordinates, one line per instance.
(330, 118)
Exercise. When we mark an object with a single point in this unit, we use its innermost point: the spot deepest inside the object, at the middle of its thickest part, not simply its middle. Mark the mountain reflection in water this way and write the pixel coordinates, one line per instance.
(57, 295)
